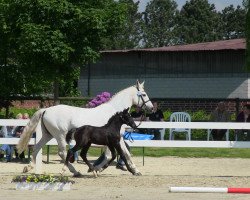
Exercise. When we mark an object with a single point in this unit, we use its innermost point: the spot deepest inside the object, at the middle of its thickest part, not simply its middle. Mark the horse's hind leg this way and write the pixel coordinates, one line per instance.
(70, 154)
(63, 153)
(45, 138)
(83, 154)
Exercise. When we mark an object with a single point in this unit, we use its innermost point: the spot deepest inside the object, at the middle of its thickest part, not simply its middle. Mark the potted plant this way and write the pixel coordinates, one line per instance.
(42, 182)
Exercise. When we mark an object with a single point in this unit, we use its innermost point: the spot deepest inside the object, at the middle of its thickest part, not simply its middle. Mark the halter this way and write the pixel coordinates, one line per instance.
(128, 134)
(125, 121)
(140, 95)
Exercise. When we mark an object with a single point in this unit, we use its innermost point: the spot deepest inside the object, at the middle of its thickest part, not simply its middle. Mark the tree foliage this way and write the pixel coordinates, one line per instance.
(233, 22)
(129, 35)
(198, 22)
(47, 41)
(159, 23)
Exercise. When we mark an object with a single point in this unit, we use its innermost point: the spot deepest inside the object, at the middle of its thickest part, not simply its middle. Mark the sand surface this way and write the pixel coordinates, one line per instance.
(158, 174)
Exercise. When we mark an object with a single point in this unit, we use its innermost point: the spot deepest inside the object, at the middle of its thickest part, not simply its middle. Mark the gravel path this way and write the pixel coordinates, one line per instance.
(158, 175)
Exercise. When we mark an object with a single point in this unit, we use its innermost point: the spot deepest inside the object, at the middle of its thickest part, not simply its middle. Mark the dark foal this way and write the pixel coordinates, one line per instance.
(108, 135)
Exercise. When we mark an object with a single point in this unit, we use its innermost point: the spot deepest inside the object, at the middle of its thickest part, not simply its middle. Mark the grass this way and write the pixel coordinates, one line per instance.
(178, 152)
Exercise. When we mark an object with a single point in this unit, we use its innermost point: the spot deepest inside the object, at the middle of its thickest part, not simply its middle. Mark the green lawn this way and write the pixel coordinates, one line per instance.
(179, 152)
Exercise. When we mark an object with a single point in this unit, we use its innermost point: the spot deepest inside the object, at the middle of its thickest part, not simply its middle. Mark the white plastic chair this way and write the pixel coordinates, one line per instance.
(180, 117)
(162, 132)
(210, 135)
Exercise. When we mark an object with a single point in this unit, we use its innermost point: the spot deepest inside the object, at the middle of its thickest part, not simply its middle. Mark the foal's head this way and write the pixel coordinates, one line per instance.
(126, 118)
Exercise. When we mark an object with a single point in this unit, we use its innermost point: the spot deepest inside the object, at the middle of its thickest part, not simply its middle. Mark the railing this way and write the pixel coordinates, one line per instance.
(147, 143)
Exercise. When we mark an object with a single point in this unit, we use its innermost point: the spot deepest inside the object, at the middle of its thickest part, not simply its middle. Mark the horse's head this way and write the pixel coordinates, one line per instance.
(141, 98)
(127, 119)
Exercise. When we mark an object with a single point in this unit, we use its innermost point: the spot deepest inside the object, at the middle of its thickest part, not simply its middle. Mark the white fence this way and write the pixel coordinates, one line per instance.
(148, 143)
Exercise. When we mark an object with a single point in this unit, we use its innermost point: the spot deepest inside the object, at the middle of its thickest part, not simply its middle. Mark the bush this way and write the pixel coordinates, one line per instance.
(14, 111)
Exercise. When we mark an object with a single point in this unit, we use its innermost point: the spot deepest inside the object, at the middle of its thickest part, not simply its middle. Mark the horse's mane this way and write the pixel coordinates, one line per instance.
(117, 94)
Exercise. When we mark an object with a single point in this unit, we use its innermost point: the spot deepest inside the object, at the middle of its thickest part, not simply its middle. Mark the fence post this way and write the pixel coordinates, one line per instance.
(39, 156)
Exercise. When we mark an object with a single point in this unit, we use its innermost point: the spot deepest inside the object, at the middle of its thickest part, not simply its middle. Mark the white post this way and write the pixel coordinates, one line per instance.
(39, 156)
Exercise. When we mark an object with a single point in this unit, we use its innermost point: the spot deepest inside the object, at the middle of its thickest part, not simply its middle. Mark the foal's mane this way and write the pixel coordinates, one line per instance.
(112, 118)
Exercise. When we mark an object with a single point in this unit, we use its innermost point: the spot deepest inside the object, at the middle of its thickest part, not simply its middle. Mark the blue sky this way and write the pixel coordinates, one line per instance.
(219, 4)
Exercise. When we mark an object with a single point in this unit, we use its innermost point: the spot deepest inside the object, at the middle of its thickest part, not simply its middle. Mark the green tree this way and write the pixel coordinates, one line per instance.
(233, 22)
(47, 41)
(245, 3)
(129, 36)
(198, 22)
(159, 23)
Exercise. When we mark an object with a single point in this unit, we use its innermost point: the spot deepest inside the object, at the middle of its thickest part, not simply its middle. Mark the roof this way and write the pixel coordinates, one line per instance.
(235, 44)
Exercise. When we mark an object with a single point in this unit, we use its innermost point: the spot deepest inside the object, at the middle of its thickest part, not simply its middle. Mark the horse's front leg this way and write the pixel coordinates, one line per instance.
(69, 157)
(127, 156)
(121, 153)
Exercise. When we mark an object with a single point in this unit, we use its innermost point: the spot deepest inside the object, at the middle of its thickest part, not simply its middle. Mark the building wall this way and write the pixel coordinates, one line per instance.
(198, 74)
(218, 87)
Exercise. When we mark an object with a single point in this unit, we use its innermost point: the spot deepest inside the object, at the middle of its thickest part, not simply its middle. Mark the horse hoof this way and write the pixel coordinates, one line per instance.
(95, 174)
(25, 169)
(100, 170)
(78, 174)
(90, 170)
(137, 174)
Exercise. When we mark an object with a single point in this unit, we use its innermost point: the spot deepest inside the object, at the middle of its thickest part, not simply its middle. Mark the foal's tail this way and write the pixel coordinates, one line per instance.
(29, 130)
(70, 135)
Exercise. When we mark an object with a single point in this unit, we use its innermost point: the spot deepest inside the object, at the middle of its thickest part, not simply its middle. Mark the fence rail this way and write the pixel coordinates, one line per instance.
(147, 143)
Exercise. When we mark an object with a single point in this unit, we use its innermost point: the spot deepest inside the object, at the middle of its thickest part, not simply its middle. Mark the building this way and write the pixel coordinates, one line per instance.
(203, 70)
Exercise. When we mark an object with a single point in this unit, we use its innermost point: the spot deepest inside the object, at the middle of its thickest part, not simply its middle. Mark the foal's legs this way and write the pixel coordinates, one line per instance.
(69, 155)
(62, 153)
(104, 161)
(112, 149)
(83, 154)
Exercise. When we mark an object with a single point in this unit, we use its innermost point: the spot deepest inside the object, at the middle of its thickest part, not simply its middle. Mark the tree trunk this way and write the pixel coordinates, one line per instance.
(56, 93)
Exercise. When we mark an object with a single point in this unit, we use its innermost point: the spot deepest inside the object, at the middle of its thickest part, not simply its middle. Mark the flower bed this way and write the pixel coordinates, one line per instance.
(42, 182)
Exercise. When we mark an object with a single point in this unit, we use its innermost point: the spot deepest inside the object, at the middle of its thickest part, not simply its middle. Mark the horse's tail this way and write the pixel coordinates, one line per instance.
(69, 135)
(29, 130)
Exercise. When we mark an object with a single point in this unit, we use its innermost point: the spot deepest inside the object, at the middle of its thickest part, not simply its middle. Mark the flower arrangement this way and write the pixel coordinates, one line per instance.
(48, 178)
(99, 99)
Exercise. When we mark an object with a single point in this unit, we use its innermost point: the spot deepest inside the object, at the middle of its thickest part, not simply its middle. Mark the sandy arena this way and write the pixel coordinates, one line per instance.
(158, 175)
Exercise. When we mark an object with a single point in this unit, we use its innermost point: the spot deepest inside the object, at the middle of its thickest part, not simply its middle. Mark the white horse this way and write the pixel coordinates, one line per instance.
(56, 121)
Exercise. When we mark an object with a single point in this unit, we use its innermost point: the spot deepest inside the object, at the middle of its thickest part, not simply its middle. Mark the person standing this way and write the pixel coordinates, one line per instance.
(7, 132)
(18, 132)
(156, 115)
(243, 116)
(220, 114)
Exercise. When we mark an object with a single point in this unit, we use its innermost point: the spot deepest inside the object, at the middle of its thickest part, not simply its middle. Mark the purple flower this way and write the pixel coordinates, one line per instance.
(103, 99)
(106, 95)
(99, 99)
(91, 105)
